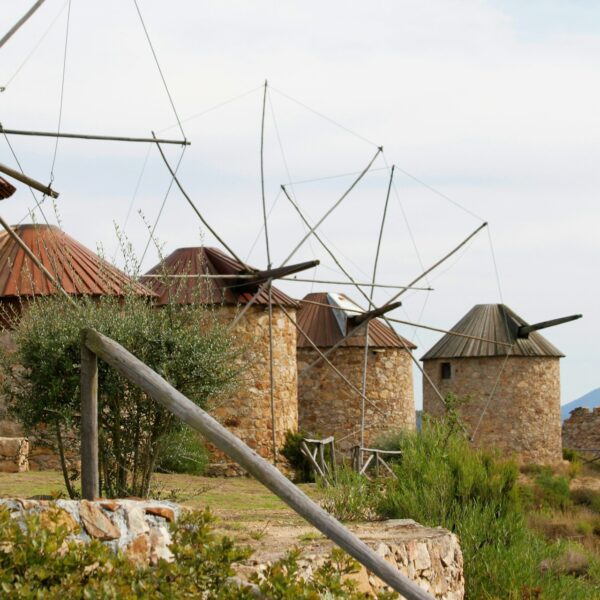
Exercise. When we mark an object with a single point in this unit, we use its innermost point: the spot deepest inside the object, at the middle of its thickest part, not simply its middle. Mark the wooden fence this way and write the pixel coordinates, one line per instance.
(94, 344)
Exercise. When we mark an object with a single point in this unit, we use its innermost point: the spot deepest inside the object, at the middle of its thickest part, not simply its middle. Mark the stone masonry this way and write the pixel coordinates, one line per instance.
(247, 412)
(14, 452)
(328, 406)
(582, 429)
(523, 417)
(431, 557)
(140, 528)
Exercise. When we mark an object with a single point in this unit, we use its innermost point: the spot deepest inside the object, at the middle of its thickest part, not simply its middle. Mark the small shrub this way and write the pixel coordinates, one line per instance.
(352, 498)
(584, 528)
(303, 472)
(569, 454)
(552, 491)
(575, 468)
(183, 451)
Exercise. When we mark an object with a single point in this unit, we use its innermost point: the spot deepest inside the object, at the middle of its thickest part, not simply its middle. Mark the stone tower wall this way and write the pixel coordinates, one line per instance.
(582, 429)
(247, 412)
(328, 406)
(524, 415)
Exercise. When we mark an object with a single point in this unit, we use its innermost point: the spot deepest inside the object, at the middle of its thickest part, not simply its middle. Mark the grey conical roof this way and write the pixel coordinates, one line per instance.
(493, 322)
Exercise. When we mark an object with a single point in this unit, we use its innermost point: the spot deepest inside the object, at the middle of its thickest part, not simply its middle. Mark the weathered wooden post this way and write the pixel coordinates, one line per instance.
(89, 424)
(165, 394)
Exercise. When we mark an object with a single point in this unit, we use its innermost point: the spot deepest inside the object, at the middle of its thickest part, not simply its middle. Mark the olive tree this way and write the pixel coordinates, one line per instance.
(186, 345)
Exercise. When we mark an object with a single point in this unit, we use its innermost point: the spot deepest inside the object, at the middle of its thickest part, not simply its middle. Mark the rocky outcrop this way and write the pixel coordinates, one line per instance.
(14, 453)
(582, 429)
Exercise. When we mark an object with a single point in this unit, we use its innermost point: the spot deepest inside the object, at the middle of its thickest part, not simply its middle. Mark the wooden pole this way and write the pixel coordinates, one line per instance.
(20, 22)
(90, 482)
(191, 414)
(85, 136)
(36, 185)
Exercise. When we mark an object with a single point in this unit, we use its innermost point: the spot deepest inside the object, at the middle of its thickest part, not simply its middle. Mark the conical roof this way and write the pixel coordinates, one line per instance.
(79, 270)
(188, 263)
(6, 189)
(493, 322)
(324, 317)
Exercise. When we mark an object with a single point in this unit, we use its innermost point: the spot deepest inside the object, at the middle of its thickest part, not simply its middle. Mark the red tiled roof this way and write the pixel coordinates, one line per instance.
(205, 261)
(323, 324)
(79, 270)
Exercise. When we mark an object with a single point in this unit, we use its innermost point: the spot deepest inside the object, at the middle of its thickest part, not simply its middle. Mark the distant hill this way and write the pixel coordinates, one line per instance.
(590, 400)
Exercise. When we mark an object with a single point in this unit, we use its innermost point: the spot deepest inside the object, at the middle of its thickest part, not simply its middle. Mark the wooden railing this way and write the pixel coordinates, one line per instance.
(94, 344)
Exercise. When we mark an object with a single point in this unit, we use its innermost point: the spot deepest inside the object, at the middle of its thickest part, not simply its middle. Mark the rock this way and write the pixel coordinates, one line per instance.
(55, 518)
(110, 505)
(422, 559)
(159, 545)
(139, 550)
(96, 523)
(161, 511)
(136, 520)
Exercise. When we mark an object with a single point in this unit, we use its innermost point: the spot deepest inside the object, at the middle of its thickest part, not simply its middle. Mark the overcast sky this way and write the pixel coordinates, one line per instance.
(493, 105)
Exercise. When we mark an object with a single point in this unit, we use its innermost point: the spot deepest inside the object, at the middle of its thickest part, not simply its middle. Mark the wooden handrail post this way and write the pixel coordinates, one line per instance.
(89, 424)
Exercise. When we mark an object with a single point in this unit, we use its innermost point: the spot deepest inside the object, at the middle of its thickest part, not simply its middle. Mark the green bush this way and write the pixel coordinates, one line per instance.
(303, 472)
(551, 491)
(183, 451)
(443, 481)
(183, 344)
(351, 499)
(587, 497)
(38, 563)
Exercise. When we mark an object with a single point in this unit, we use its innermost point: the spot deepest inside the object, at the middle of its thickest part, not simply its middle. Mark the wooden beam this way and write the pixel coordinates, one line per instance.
(87, 136)
(361, 318)
(174, 401)
(525, 330)
(36, 185)
(20, 22)
(249, 282)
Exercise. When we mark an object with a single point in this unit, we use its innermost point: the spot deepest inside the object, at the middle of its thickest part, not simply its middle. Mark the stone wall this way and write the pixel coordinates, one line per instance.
(328, 406)
(582, 429)
(431, 557)
(137, 527)
(523, 417)
(14, 452)
(247, 412)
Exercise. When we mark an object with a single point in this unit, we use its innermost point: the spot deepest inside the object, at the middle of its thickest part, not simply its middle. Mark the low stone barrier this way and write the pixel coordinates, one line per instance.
(429, 556)
(137, 527)
(14, 452)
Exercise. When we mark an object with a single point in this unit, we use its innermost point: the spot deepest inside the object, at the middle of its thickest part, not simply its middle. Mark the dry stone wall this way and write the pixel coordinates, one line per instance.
(14, 453)
(431, 557)
(328, 406)
(523, 417)
(582, 429)
(247, 412)
(137, 527)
